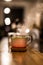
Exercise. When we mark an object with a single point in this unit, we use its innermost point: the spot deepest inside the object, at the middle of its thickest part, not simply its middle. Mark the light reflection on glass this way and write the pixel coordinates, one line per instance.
(27, 30)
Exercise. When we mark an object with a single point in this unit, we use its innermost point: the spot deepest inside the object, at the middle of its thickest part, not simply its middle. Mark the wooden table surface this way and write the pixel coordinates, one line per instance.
(30, 57)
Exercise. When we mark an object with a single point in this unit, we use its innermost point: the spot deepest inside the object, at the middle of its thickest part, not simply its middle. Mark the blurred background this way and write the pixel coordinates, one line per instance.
(21, 28)
(22, 16)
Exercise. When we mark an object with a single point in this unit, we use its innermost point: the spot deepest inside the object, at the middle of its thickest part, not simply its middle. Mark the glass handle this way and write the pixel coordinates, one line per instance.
(29, 40)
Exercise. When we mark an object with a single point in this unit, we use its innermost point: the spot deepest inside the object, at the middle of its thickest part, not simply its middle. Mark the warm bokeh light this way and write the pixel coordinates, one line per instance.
(38, 17)
(7, 21)
(7, 0)
(7, 10)
(13, 26)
